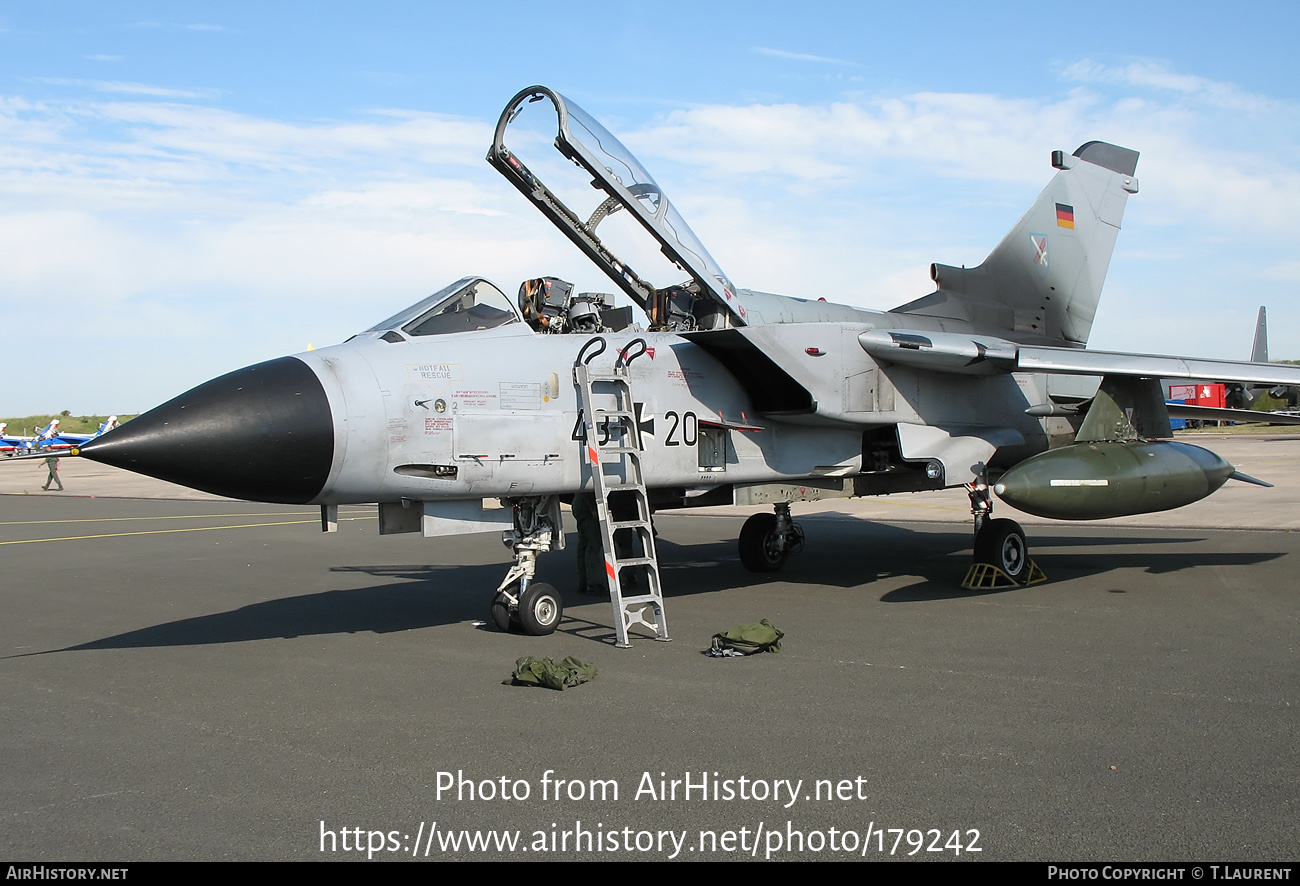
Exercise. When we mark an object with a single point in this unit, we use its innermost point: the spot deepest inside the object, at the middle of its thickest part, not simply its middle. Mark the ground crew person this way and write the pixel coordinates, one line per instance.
(592, 575)
(591, 553)
(52, 462)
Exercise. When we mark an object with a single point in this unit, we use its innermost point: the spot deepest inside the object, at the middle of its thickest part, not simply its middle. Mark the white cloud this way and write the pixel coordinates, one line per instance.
(1157, 75)
(126, 88)
(821, 150)
(1284, 271)
(182, 27)
(967, 134)
(197, 158)
(226, 137)
(802, 57)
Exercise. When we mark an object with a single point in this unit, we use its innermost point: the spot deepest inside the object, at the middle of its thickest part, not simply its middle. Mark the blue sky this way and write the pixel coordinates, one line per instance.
(189, 188)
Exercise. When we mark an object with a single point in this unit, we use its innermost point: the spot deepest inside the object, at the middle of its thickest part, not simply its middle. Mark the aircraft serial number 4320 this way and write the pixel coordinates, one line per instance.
(716, 395)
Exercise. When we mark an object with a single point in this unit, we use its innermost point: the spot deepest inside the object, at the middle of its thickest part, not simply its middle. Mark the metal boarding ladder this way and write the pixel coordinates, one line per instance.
(616, 472)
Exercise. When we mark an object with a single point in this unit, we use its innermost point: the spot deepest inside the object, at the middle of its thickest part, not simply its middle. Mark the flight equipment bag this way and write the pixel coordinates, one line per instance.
(746, 639)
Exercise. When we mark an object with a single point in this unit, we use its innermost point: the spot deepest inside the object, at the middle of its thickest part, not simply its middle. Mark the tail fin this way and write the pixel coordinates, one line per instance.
(1259, 350)
(1259, 354)
(1043, 281)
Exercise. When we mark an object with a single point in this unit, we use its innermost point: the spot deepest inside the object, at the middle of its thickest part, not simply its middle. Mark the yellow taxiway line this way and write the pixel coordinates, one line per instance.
(29, 541)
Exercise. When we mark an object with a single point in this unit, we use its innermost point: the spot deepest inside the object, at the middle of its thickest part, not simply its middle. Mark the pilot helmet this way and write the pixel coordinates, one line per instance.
(583, 316)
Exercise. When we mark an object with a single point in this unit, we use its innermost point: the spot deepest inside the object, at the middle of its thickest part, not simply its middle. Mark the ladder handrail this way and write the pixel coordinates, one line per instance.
(600, 340)
(623, 359)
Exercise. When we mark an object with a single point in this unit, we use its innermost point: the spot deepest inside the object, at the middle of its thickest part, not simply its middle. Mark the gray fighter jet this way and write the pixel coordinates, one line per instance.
(712, 395)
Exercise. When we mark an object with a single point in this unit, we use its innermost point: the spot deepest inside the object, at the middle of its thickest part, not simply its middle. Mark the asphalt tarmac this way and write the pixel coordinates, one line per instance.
(206, 679)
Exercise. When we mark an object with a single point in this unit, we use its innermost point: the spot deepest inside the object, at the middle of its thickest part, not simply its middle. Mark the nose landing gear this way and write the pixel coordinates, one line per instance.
(521, 604)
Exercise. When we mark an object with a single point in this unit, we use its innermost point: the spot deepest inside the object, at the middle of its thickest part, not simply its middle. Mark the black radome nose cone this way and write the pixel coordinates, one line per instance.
(263, 433)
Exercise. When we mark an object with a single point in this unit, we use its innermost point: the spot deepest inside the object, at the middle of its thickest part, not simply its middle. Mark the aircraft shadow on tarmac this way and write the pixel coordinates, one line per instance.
(437, 595)
(840, 553)
(1060, 568)
(941, 558)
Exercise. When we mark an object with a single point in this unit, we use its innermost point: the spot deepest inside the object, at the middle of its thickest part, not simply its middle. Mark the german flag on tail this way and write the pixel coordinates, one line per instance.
(1064, 216)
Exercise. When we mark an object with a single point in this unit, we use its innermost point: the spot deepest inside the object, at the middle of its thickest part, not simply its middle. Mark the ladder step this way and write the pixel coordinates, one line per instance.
(631, 524)
(633, 561)
(643, 598)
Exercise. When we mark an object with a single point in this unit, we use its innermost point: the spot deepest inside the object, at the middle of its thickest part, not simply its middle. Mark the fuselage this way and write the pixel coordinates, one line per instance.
(493, 413)
(427, 407)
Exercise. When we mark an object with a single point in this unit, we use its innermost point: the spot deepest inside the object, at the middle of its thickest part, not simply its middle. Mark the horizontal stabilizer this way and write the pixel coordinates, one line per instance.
(1214, 413)
(1075, 361)
(966, 354)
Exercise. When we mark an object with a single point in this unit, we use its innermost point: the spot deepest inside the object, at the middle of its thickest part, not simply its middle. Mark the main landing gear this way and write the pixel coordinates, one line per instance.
(766, 540)
(522, 604)
(1001, 552)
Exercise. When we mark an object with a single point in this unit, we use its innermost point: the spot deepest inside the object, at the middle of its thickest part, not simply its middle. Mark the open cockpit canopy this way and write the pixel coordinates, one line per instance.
(625, 185)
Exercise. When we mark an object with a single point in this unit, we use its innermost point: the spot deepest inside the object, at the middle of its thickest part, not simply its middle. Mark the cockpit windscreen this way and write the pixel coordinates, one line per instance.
(469, 304)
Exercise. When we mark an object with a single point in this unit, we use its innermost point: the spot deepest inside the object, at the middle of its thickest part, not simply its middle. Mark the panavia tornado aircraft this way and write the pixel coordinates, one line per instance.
(717, 395)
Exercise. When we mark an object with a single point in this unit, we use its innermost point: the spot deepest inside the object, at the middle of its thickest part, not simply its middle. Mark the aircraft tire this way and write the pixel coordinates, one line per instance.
(501, 616)
(1002, 544)
(757, 543)
(540, 609)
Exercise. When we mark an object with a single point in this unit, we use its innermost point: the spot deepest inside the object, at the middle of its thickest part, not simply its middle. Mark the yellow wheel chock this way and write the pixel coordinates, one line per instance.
(986, 576)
